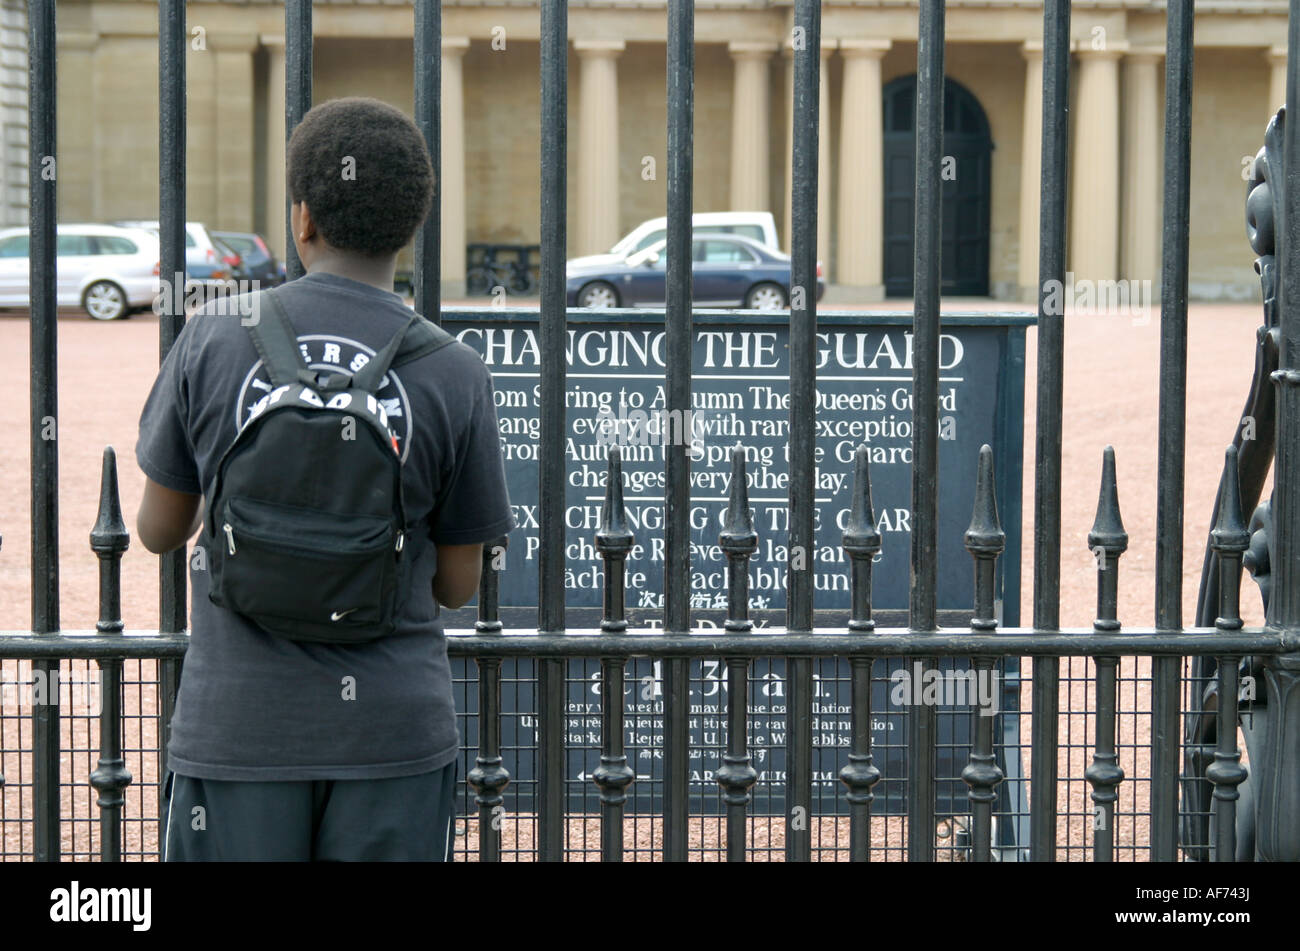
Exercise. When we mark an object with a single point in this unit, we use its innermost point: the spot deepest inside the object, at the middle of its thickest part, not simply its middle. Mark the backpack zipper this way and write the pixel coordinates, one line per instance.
(230, 537)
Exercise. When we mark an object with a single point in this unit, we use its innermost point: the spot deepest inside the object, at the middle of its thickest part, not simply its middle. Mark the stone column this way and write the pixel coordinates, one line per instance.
(233, 57)
(1277, 81)
(1094, 166)
(1142, 122)
(1031, 170)
(276, 187)
(451, 189)
(823, 160)
(750, 110)
(77, 117)
(859, 252)
(597, 218)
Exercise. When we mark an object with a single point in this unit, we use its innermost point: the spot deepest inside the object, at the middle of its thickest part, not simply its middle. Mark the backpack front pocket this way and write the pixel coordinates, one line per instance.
(304, 574)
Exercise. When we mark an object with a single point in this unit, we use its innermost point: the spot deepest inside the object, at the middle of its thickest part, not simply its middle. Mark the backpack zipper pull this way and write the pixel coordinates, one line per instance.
(401, 540)
(230, 537)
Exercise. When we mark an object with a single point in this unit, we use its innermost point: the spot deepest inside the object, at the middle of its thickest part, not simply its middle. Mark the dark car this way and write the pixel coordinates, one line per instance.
(728, 271)
(258, 261)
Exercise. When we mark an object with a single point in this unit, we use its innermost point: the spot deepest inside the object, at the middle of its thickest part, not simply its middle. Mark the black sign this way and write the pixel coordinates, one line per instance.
(615, 395)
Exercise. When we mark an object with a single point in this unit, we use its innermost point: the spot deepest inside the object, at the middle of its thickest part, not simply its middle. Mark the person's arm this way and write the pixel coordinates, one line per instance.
(457, 577)
(167, 518)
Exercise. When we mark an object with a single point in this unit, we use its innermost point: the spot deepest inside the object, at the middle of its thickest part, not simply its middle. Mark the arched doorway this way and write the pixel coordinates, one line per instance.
(966, 189)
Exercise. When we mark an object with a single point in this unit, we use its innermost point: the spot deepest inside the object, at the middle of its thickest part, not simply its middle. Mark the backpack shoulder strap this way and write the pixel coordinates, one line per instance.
(275, 341)
(423, 337)
(371, 375)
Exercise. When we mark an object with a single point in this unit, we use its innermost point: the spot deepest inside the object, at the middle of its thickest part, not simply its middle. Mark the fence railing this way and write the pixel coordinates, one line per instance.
(1168, 642)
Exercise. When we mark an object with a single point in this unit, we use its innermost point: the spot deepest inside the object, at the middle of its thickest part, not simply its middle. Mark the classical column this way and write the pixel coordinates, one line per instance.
(1142, 119)
(1094, 166)
(750, 111)
(451, 189)
(1277, 81)
(823, 158)
(276, 170)
(233, 55)
(1031, 170)
(859, 251)
(597, 217)
(77, 117)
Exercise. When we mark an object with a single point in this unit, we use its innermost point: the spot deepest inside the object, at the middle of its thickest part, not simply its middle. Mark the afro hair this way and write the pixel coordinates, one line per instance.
(363, 169)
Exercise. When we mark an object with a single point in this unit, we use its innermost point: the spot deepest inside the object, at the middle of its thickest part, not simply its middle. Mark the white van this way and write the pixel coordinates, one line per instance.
(758, 225)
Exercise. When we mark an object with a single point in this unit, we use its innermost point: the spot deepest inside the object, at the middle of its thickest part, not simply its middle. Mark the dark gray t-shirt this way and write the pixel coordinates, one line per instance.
(253, 706)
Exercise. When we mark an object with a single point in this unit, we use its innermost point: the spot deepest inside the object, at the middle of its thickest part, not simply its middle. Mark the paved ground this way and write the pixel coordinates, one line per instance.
(1111, 385)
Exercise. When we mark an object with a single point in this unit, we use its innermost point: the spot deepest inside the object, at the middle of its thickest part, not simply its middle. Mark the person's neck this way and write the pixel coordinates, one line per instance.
(378, 272)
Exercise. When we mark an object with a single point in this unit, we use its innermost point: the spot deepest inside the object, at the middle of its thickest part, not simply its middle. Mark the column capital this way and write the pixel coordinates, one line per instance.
(271, 41)
(828, 47)
(864, 47)
(594, 48)
(1114, 49)
(455, 45)
(1276, 55)
(233, 42)
(1145, 54)
(1032, 49)
(88, 41)
(751, 49)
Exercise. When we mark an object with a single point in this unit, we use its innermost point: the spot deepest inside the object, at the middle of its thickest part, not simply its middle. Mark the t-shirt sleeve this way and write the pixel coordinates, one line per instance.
(474, 505)
(164, 450)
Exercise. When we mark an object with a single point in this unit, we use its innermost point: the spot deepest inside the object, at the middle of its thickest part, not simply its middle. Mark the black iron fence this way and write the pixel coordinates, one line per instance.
(129, 664)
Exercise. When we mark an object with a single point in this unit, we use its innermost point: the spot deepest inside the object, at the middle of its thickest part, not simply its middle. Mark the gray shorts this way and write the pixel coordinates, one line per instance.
(405, 819)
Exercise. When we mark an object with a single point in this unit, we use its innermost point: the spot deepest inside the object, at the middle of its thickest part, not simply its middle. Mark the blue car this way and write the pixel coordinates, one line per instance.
(729, 271)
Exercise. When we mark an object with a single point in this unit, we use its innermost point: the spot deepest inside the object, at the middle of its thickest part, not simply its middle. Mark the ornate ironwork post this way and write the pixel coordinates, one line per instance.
(861, 543)
(1108, 541)
(738, 541)
(985, 540)
(109, 540)
(489, 777)
(1230, 540)
(613, 775)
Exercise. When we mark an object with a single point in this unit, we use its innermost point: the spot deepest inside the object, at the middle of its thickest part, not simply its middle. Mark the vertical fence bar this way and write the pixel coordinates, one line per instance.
(172, 579)
(42, 200)
(803, 409)
(985, 540)
(1047, 438)
(861, 543)
(613, 775)
(109, 540)
(927, 274)
(427, 274)
(489, 778)
(297, 100)
(1278, 805)
(550, 617)
(738, 541)
(1166, 672)
(1107, 541)
(677, 383)
(1229, 539)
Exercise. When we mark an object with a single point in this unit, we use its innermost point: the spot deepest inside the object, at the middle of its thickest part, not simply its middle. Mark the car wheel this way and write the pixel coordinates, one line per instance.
(765, 297)
(104, 300)
(598, 294)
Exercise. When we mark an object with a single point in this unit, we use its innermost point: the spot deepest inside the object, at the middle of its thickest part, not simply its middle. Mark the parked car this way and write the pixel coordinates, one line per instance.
(107, 271)
(258, 260)
(207, 260)
(728, 271)
(759, 225)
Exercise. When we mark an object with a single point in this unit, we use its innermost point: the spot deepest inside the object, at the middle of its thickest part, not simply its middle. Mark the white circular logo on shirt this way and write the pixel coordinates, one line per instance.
(327, 352)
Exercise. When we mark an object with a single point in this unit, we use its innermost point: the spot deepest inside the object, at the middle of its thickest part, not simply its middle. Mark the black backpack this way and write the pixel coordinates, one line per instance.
(305, 527)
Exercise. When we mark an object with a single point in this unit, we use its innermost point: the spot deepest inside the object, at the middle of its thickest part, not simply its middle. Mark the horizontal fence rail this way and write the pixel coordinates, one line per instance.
(1225, 651)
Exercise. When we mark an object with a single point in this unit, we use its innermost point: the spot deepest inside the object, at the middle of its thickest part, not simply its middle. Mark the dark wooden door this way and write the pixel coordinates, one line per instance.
(968, 150)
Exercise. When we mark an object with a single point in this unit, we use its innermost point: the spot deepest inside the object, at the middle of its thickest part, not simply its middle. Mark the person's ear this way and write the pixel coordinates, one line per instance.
(303, 231)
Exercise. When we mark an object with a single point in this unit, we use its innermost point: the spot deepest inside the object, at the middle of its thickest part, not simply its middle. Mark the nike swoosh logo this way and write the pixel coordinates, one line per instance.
(340, 615)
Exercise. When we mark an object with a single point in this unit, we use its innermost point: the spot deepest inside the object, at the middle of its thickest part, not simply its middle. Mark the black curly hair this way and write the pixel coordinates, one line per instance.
(373, 204)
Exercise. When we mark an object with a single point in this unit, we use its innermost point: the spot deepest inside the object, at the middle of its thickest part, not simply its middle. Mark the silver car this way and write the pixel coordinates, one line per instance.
(108, 272)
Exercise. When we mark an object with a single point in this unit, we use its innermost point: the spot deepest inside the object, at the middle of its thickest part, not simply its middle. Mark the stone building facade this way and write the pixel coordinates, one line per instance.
(108, 123)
